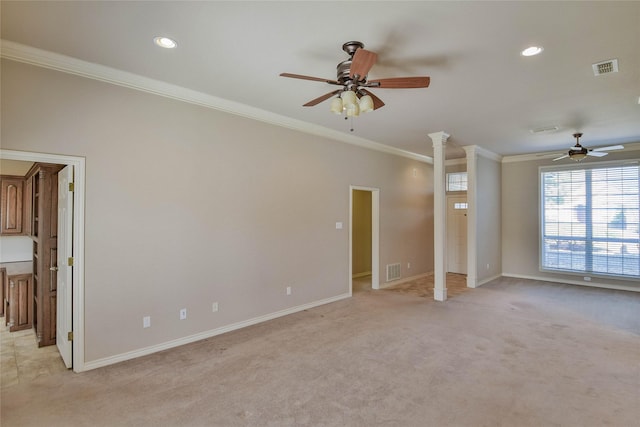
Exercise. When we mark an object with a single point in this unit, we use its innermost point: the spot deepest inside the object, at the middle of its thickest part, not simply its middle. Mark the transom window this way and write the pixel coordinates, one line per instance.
(457, 181)
(590, 219)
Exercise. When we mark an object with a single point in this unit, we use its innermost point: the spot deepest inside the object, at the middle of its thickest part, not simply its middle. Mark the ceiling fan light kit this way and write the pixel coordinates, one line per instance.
(579, 153)
(354, 98)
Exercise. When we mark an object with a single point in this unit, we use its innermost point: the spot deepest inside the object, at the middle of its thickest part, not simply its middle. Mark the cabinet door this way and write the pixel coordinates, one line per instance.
(21, 302)
(12, 203)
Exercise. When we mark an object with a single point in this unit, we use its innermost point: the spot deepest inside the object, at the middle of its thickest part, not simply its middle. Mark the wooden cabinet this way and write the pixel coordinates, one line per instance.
(12, 203)
(42, 183)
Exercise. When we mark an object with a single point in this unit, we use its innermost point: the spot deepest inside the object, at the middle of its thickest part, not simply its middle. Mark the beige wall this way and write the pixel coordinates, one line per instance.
(187, 205)
(361, 243)
(520, 225)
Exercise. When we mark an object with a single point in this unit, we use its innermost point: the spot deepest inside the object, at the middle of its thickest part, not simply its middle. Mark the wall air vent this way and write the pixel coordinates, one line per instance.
(393, 272)
(605, 67)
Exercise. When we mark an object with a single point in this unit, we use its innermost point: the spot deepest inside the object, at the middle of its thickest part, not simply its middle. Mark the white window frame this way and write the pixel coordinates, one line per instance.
(541, 222)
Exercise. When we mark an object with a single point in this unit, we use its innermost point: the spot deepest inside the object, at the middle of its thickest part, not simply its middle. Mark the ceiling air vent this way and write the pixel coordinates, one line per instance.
(605, 67)
(547, 129)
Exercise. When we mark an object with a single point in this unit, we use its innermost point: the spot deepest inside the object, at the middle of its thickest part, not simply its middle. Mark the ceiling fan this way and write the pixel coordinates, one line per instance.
(354, 97)
(578, 152)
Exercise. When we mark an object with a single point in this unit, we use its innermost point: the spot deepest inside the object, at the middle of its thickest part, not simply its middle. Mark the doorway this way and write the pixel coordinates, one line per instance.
(364, 207)
(71, 307)
(457, 234)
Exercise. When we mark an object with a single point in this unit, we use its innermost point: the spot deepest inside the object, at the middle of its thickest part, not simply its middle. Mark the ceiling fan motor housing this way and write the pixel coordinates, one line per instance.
(351, 47)
(578, 154)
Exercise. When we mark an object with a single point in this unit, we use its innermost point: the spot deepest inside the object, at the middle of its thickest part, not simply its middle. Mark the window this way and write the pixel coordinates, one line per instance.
(590, 219)
(457, 181)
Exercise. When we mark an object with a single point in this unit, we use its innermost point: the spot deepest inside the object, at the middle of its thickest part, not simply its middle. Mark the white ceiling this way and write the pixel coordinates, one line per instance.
(482, 91)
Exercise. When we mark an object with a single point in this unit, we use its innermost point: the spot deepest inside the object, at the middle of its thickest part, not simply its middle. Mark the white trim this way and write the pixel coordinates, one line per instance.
(375, 236)
(456, 162)
(487, 280)
(488, 154)
(42, 58)
(206, 334)
(78, 164)
(530, 157)
(439, 140)
(461, 196)
(573, 282)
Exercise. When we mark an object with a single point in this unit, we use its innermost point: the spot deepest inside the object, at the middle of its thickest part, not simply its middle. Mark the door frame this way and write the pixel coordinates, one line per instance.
(77, 275)
(463, 198)
(375, 236)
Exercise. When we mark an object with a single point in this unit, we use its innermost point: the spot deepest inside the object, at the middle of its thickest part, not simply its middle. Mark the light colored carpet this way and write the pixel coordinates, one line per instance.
(423, 286)
(511, 353)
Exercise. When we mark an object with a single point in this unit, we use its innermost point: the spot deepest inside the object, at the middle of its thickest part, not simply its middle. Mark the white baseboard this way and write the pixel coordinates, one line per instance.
(487, 280)
(206, 334)
(574, 282)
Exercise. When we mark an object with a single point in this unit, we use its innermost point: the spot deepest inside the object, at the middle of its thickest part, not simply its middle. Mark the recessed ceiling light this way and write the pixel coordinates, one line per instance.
(165, 42)
(531, 51)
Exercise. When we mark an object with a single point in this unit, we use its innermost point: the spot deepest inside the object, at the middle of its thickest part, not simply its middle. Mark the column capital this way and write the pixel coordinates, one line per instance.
(439, 138)
(470, 149)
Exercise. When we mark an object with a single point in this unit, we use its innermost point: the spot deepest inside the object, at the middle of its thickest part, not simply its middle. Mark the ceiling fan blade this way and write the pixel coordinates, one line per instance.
(319, 99)
(401, 83)
(561, 157)
(610, 148)
(377, 102)
(596, 153)
(362, 62)
(315, 79)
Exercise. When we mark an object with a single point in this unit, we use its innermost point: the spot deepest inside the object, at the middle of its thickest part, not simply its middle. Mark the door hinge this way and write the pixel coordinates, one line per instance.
(70, 261)
(71, 186)
(70, 336)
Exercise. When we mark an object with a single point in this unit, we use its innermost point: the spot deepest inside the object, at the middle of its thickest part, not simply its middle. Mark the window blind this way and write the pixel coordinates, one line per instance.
(590, 220)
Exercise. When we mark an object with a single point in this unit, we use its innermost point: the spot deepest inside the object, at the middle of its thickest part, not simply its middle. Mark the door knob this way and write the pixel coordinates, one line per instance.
(53, 268)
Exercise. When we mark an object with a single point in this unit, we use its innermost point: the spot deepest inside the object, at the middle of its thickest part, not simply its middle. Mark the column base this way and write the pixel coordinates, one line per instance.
(440, 294)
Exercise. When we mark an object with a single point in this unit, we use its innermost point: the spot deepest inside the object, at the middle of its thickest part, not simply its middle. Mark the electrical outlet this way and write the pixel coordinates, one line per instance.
(587, 278)
(183, 314)
(288, 290)
(487, 266)
(214, 307)
(408, 265)
(146, 322)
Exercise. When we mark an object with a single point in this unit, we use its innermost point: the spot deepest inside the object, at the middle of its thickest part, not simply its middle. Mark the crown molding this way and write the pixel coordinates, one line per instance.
(456, 162)
(478, 150)
(66, 64)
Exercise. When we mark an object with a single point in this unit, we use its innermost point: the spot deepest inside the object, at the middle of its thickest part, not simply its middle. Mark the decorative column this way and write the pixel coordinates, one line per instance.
(472, 215)
(439, 216)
